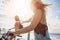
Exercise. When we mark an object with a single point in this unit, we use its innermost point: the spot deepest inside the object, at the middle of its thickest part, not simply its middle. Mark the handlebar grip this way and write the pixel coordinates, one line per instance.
(11, 34)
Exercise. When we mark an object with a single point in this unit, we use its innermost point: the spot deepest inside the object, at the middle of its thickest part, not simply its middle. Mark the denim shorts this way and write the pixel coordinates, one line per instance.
(41, 37)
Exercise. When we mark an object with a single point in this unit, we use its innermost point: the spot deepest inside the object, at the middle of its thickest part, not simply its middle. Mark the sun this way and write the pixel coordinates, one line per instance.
(22, 9)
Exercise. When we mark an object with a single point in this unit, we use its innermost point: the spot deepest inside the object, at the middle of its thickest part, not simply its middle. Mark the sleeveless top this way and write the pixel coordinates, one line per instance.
(41, 27)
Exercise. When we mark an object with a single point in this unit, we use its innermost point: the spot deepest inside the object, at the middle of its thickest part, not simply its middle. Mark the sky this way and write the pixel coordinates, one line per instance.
(53, 16)
(9, 8)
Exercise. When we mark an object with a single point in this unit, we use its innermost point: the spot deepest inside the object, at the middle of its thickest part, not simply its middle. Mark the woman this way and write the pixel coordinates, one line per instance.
(18, 24)
(38, 22)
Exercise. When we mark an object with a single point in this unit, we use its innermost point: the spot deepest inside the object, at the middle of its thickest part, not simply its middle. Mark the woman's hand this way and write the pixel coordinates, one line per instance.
(9, 33)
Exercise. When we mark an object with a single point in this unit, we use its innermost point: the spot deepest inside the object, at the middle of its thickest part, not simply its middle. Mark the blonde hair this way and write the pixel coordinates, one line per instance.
(16, 18)
(40, 5)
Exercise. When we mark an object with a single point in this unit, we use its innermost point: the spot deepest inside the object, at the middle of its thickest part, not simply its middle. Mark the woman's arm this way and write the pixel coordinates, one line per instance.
(36, 19)
(12, 28)
(29, 20)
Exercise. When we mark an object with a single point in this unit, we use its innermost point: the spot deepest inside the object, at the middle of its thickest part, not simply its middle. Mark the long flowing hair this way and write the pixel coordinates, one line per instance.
(39, 5)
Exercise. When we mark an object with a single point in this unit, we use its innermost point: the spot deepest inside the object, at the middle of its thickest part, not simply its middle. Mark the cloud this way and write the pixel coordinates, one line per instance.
(2, 15)
(58, 11)
(53, 23)
(53, 20)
